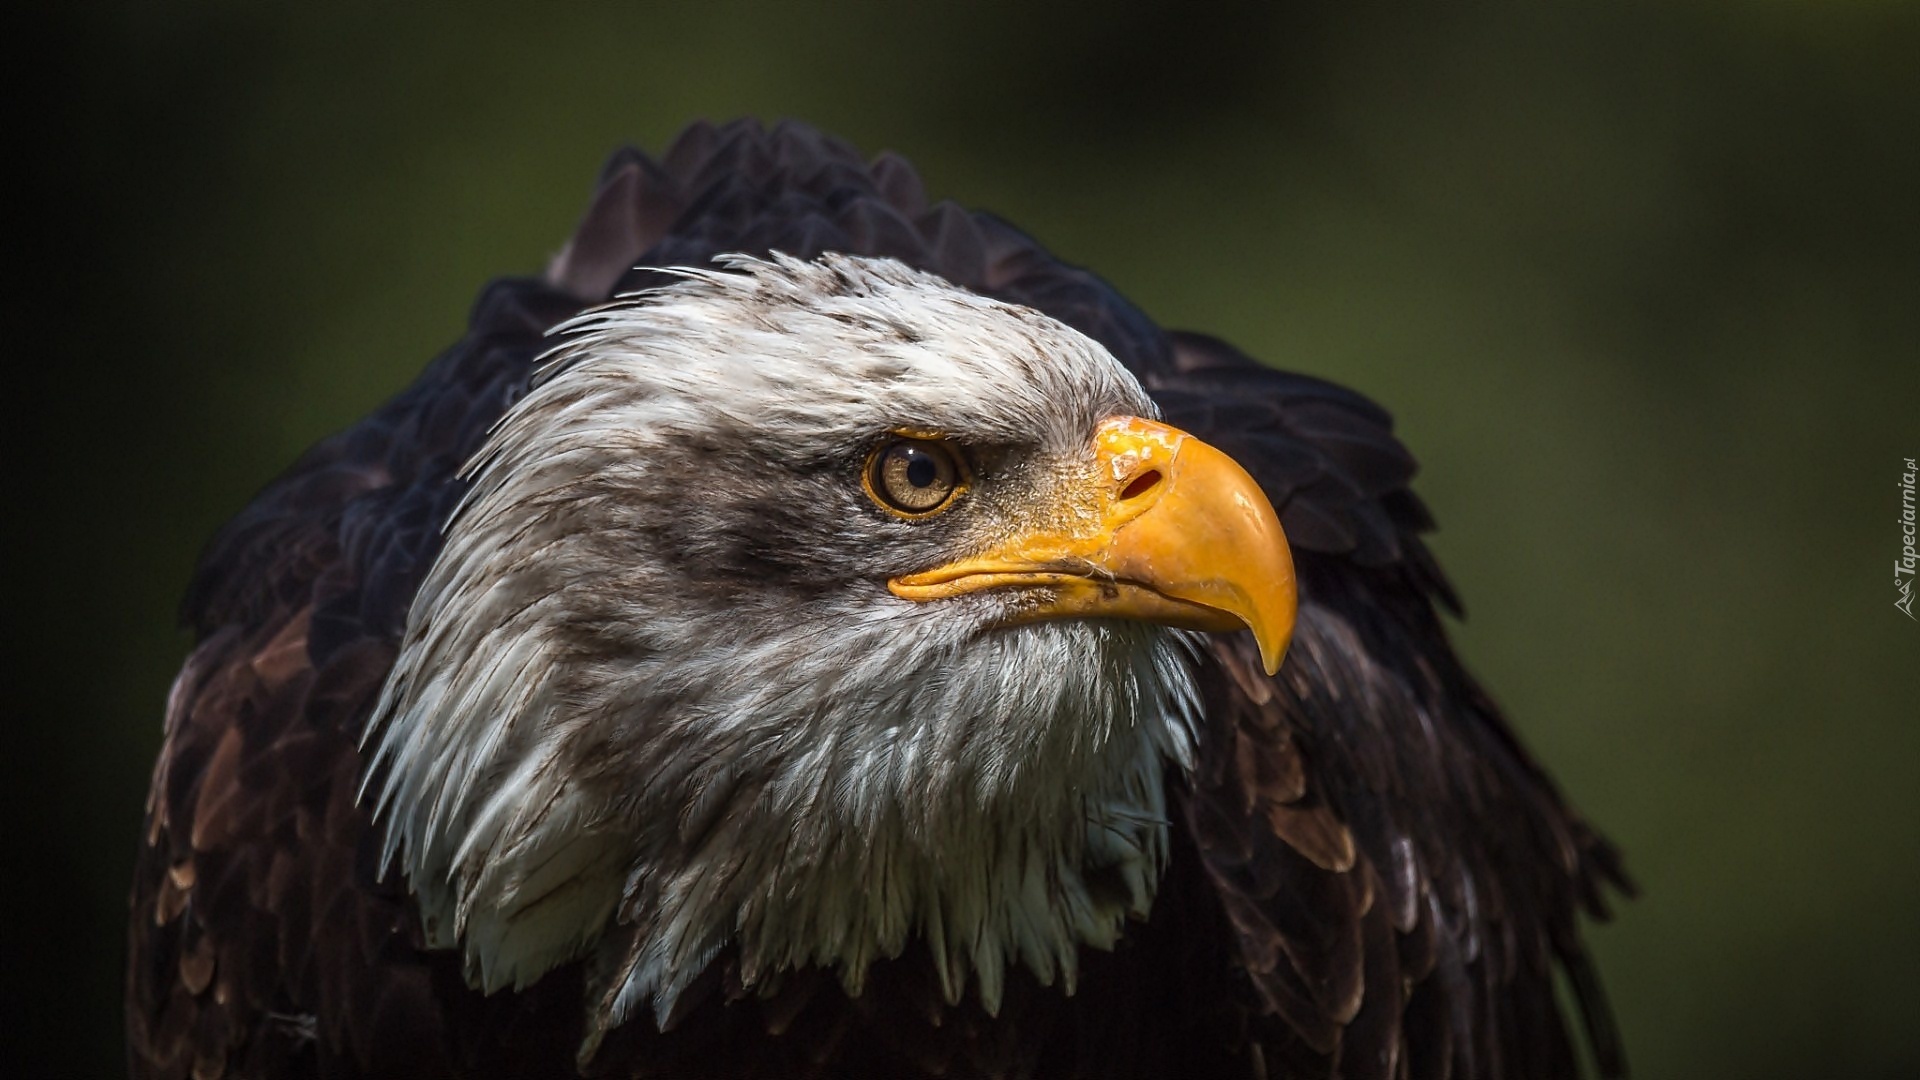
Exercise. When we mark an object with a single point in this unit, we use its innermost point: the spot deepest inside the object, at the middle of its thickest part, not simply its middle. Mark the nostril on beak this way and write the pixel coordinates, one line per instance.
(1141, 484)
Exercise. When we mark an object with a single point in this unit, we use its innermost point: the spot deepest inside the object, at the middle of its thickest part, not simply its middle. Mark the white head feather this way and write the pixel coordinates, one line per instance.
(655, 701)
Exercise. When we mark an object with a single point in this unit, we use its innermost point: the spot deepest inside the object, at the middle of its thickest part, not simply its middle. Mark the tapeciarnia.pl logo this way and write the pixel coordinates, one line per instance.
(1904, 565)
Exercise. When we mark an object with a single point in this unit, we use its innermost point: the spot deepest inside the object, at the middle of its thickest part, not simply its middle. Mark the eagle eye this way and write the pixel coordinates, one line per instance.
(913, 477)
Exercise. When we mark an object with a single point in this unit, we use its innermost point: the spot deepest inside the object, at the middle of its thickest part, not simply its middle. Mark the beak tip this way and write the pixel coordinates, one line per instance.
(1274, 635)
(1272, 657)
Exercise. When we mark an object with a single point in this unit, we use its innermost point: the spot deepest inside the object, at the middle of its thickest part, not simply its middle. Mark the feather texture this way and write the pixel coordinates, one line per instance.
(1366, 874)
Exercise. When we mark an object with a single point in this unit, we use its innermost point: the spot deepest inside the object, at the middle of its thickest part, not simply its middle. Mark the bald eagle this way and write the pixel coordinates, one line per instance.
(809, 631)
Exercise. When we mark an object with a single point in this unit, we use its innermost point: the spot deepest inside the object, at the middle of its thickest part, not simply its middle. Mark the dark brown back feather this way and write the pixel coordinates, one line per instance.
(1373, 878)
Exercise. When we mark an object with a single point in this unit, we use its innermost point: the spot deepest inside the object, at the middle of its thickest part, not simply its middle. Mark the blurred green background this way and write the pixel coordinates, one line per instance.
(1641, 283)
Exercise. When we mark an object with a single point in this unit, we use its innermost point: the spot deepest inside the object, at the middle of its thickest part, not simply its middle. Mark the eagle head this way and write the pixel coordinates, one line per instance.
(806, 609)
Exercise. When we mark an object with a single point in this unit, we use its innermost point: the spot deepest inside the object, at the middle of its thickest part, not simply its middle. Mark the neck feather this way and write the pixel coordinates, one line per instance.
(547, 805)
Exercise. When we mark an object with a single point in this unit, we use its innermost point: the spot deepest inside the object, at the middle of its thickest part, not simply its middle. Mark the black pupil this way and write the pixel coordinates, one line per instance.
(921, 471)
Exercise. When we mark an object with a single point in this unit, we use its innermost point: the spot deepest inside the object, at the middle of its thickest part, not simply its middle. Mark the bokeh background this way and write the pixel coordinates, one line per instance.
(1640, 281)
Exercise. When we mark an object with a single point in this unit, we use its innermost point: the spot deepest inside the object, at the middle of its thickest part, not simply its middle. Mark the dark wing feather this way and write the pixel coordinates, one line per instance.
(1375, 880)
(1368, 816)
(262, 942)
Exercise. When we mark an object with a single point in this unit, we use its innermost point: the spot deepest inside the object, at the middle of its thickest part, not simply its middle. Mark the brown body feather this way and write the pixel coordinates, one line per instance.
(1370, 878)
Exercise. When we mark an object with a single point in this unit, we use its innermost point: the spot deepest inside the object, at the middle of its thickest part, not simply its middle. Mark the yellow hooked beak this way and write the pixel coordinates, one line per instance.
(1168, 530)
